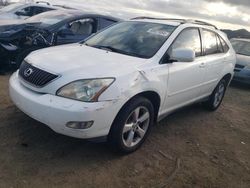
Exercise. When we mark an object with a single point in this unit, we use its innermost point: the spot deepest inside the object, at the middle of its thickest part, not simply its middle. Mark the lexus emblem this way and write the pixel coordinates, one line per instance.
(28, 72)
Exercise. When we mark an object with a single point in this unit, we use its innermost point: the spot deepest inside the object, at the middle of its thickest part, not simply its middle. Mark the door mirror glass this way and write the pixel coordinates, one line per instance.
(183, 55)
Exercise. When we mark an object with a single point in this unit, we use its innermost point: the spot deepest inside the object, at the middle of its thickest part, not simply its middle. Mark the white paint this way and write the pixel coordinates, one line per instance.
(178, 84)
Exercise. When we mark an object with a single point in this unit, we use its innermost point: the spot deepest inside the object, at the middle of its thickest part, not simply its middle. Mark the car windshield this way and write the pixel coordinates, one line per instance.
(241, 47)
(139, 39)
(10, 7)
(49, 18)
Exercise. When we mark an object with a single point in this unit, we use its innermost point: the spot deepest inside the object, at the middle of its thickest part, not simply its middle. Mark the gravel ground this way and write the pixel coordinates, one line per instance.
(190, 148)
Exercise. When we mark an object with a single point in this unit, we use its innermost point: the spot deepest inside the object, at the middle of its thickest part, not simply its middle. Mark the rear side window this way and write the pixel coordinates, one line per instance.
(189, 38)
(210, 42)
(213, 43)
(103, 23)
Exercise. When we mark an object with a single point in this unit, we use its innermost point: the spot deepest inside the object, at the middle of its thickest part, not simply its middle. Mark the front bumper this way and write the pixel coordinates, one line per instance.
(242, 76)
(56, 111)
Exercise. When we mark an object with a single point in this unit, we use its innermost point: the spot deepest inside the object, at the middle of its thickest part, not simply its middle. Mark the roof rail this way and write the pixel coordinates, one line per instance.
(182, 21)
(45, 2)
(65, 7)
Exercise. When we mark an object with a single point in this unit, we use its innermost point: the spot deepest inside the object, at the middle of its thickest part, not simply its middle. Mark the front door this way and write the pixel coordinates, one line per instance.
(185, 78)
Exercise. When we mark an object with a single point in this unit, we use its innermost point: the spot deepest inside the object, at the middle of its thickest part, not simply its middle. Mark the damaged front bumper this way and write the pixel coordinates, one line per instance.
(57, 112)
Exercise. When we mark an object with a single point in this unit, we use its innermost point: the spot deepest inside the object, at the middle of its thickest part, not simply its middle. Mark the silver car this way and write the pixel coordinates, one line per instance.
(242, 68)
(24, 10)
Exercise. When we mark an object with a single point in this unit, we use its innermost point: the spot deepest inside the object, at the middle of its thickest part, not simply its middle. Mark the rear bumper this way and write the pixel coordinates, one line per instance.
(56, 111)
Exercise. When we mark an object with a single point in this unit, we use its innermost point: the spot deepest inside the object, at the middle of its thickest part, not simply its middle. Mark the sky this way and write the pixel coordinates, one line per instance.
(226, 14)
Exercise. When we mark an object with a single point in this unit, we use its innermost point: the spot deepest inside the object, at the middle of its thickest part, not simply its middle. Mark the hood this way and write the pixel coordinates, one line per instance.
(9, 28)
(243, 60)
(82, 60)
(10, 25)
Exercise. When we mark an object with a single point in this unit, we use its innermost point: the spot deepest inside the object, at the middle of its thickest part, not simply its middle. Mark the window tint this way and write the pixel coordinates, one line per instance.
(210, 42)
(189, 38)
(26, 11)
(224, 45)
(38, 10)
(103, 23)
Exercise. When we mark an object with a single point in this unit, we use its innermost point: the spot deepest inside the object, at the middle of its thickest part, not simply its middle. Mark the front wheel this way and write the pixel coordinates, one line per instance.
(132, 125)
(217, 96)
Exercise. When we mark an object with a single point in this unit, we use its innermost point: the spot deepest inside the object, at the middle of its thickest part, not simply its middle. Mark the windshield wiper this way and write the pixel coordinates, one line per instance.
(112, 49)
(109, 48)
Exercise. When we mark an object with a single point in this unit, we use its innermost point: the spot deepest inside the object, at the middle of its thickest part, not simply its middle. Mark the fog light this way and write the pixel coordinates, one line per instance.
(79, 125)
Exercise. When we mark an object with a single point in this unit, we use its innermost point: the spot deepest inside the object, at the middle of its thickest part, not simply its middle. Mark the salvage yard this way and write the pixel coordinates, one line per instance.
(190, 148)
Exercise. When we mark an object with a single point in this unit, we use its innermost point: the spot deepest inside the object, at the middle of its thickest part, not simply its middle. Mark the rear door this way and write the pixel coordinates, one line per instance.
(215, 59)
(185, 78)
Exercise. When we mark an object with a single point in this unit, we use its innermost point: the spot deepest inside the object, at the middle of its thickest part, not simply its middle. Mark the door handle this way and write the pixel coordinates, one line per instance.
(202, 65)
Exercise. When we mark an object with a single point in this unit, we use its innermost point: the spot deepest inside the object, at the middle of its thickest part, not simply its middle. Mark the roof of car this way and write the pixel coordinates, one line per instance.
(174, 21)
(78, 13)
(42, 4)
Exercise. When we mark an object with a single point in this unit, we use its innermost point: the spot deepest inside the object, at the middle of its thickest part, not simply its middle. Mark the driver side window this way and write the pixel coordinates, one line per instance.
(82, 27)
(28, 11)
(188, 38)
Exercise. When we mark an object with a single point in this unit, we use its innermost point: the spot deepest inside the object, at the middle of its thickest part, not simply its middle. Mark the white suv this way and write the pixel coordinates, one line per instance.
(121, 81)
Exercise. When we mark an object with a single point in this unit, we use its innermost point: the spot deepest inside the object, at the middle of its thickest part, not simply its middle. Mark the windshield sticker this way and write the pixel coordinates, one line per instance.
(158, 32)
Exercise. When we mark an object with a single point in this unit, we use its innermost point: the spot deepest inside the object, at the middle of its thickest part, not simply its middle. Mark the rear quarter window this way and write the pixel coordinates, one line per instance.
(224, 45)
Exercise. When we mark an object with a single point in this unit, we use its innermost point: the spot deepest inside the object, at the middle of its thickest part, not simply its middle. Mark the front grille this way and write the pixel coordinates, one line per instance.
(34, 75)
(239, 66)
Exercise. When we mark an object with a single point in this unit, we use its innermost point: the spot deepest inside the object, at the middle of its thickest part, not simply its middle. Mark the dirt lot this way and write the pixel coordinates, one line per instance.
(191, 148)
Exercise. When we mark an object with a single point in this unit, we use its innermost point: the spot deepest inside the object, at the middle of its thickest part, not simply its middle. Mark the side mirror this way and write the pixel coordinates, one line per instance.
(183, 55)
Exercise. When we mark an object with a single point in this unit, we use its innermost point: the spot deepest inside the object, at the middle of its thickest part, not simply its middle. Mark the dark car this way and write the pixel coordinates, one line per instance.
(18, 39)
(25, 10)
(242, 67)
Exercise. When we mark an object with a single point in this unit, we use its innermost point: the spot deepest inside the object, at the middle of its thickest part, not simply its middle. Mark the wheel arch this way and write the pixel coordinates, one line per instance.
(228, 77)
(152, 96)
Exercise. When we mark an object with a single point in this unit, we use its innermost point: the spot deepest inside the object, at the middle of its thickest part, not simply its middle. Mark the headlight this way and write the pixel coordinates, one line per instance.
(85, 90)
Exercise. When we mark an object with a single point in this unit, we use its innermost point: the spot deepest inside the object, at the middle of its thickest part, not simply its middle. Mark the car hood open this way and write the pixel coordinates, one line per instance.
(83, 60)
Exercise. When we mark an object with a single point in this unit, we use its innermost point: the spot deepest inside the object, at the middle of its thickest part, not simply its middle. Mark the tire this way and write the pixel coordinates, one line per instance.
(217, 96)
(130, 130)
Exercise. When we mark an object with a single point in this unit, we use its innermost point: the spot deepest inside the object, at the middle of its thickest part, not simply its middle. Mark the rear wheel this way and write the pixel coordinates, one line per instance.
(217, 96)
(132, 125)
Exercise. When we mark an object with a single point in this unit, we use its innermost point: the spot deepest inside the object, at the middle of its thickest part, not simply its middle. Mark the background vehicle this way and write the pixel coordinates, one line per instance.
(242, 67)
(18, 39)
(24, 10)
(123, 79)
